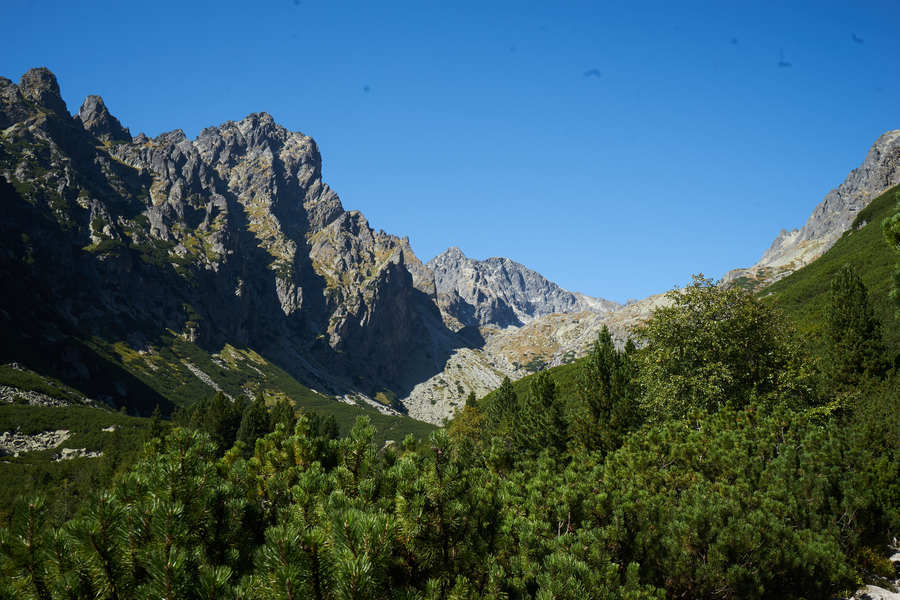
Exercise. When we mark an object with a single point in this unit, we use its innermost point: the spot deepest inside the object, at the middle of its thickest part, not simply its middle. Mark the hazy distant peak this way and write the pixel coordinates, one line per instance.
(499, 291)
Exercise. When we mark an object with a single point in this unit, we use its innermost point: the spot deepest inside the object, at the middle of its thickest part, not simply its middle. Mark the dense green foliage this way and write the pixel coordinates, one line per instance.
(605, 407)
(69, 481)
(739, 504)
(855, 349)
(714, 348)
(891, 230)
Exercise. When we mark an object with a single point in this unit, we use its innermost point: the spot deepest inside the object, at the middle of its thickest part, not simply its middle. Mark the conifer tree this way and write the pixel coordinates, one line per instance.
(23, 551)
(157, 429)
(501, 410)
(220, 418)
(283, 412)
(254, 423)
(855, 347)
(605, 407)
(540, 424)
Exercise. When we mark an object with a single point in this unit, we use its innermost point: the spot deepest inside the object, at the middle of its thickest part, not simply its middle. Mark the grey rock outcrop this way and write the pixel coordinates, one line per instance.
(12, 103)
(40, 86)
(14, 443)
(833, 216)
(501, 292)
(72, 453)
(96, 119)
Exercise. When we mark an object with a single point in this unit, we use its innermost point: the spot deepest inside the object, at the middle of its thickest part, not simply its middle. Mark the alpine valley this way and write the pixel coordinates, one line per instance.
(151, 271)
(217, 382)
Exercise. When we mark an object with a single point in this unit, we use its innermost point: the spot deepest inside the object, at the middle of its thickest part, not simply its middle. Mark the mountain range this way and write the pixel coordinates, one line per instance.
(143, 269)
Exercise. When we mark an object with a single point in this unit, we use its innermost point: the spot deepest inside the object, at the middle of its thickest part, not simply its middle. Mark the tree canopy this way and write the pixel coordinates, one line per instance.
(714, 347)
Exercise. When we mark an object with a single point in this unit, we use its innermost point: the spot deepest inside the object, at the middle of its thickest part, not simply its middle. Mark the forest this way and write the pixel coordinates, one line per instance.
(717, 455)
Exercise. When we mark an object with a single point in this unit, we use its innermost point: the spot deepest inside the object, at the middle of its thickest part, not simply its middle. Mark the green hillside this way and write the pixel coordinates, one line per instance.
(68, 482)
(162, 375)
(173, 372)
(803, 295)
(564, 376)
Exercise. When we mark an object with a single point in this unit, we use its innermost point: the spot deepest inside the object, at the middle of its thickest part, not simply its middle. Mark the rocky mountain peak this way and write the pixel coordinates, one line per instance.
(96, 119)
(453, 253)
(39, 85)
(501, 292)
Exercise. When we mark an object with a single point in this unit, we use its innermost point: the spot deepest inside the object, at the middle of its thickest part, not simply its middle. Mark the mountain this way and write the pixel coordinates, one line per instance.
(805, 294)
(118, 249)
(793, 249)
(501, 292)
(157, 270)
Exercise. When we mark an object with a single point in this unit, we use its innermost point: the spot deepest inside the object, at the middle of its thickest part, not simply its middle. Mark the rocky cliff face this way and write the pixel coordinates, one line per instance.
(501, 292)
(833, 216)
(234, 240)
(232, 237)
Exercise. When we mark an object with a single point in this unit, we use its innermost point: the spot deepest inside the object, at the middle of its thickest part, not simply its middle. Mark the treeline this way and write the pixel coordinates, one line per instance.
(712, 458)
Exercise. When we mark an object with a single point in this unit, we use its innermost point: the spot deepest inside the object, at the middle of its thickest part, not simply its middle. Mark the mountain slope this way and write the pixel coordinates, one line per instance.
(792, 250)
(804, 294)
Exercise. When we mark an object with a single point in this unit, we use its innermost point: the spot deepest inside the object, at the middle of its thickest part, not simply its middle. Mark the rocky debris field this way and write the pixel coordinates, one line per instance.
(13, 443)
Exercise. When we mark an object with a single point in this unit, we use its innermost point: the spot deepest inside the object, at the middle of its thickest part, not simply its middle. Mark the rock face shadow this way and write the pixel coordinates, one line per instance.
(220, 240)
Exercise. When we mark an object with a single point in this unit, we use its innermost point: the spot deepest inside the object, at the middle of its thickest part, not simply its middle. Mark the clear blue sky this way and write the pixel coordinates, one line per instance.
(473, 123)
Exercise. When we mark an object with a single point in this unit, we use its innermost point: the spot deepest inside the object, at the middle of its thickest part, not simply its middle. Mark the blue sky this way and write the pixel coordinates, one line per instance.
(473, 123)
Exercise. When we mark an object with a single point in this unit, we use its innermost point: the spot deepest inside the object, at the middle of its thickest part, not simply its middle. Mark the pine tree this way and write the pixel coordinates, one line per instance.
(501, 410)
(540, 424)
(23, 550)
(220, 418)
(157, 429)
(606, 406)
(254, 424)
(854, 335)
(283, 413)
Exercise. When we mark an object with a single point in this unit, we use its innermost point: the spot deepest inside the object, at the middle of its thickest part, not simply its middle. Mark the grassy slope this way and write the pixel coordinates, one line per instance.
(803, 295)
(564, 376)
(67, 483)
(235, 370)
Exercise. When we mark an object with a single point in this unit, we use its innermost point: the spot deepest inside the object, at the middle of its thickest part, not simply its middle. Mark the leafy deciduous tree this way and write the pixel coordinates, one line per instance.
(713, 347)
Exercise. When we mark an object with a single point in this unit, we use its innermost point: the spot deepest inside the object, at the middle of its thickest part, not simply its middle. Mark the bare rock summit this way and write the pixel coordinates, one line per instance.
(501, 292)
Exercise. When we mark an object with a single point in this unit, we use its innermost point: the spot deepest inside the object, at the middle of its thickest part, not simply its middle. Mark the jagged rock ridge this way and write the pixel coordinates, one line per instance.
(833, 216)
(232, 237)
(501, 292)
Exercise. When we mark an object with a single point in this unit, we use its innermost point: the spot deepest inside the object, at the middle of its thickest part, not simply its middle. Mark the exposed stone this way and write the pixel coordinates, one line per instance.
(95, 118)
(13, 443)
(232, 237)
(70, 453)
(14, 395)
(199, 374)
(12, 105)
(833, 216)
(501, 292)
(40, 86)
